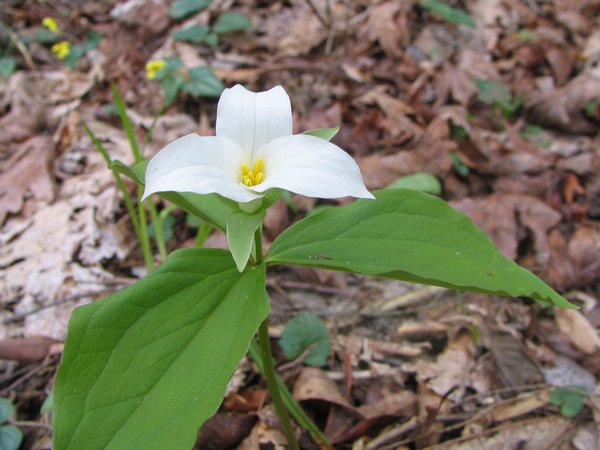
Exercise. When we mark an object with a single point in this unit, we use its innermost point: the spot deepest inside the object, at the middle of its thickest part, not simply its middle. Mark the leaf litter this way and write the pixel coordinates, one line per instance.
(504, 114)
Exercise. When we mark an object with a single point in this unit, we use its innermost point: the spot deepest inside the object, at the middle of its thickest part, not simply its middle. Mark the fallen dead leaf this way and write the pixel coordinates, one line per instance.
(27, 172)
(578, 329)
(27, 349)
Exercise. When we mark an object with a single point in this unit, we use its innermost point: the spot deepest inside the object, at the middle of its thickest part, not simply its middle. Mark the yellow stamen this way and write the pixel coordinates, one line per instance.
(252, 177)
(61, 49)
(50, 24)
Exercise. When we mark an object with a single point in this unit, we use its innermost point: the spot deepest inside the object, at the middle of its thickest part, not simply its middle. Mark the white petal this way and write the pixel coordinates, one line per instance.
(310, 166)
(203, 165)
(252, 119)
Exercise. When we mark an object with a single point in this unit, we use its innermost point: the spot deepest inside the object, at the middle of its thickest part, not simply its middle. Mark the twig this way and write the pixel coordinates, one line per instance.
(14, 37)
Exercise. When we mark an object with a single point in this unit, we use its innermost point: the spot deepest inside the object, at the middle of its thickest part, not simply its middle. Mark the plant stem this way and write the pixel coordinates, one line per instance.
(144, 238)
(271, 377)
(268, 367)
(158, 223)
(290, 403)
(204, 231)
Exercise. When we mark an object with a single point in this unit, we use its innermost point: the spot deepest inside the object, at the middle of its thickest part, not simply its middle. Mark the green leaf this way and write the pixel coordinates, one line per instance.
(569, 398)
(422, 181)
(10, 437)
(306, 332)
(323, 133)
(6, 409)
(232, 21)
(448, 13)
(183, 8)
(45, 36)
(92, 41)
(8, 65)
(212, 39)
(75, 54)
(171, 87)
(211, 208)
(458, 165)
(47, 405)
(203, 82)
(411, 236)
(240, 235)
(194, 34)
(147, 366)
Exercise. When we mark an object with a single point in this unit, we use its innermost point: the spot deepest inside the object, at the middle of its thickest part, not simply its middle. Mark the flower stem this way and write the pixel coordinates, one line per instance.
(271, 376)
(268, 367)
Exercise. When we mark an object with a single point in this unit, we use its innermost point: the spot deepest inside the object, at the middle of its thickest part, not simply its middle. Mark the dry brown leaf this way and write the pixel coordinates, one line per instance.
(27, 349)
(565, 107)
(225, 430)
(514, 365)
(450, 373)
(520, 405)
(292, 31)
(314, 384)
(27, 172)
(499, 216)
(539, 433)
(578, 329)
(388, 25)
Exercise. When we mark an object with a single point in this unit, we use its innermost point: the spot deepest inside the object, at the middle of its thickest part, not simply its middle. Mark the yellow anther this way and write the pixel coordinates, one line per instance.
(252, 177)
(50, 24)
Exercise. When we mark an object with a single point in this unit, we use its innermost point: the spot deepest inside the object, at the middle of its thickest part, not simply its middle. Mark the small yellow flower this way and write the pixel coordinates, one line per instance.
(61, 49)
(50, 23)
(153, 66)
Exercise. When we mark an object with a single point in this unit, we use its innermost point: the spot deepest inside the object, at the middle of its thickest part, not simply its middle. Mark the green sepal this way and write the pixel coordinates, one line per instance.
(240, 235)
(323, 133)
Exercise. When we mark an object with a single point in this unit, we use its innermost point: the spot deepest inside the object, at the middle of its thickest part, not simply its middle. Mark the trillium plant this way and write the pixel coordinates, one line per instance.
(145, 367)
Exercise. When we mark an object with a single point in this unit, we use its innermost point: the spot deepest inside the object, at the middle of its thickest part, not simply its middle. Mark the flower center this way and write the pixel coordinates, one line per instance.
(253, 176)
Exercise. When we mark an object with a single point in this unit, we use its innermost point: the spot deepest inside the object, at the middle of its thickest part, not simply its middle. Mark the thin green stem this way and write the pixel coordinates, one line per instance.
(290, 402)
(204, 231)
(144, 238)
(271, 377)
(159, 235)
(126, 122)
(268, 367)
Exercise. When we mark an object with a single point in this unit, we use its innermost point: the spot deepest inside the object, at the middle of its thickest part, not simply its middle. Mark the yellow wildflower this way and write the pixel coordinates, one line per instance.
(154, 66)
(50, 23)
(61, 49)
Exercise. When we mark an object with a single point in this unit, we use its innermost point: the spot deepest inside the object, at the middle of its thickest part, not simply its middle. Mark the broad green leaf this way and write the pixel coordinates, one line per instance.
(211, 208)
(232, 21)
(306, 332)
(147, 366)
(183, 8)
(6, 409)
(449, 13)
(10, 437)
(411, 236)
(203, 82)
(323, 133)
(194, 34)
(240, 235)
(422, 181)
(8, 65)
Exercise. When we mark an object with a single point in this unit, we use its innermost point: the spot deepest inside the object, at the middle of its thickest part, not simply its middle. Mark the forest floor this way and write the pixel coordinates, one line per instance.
(497, 100)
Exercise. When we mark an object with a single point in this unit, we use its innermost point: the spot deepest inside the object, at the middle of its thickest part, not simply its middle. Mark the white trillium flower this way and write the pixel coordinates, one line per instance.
(254, 150)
